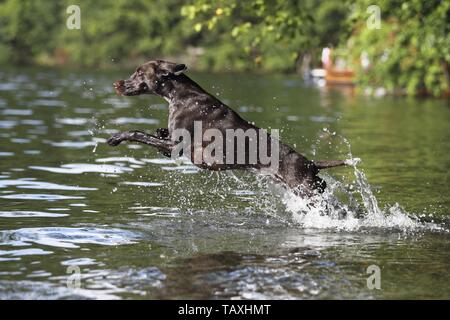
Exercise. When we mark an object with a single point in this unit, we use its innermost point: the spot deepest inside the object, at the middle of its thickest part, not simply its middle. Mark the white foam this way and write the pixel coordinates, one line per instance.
(326, 211)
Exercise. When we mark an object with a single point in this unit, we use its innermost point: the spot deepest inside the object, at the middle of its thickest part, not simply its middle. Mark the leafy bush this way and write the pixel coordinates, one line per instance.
(410, 53)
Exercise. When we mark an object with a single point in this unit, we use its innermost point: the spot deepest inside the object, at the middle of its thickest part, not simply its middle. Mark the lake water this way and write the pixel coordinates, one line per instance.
(137, 225)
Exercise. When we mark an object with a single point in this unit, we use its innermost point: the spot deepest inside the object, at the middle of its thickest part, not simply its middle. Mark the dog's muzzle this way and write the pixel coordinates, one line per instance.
(119, 86)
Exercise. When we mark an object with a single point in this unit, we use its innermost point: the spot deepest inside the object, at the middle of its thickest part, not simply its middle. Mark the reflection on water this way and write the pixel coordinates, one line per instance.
(68, 237)
(24, 214)
(78, 168)
(31, 184)
(137, 225)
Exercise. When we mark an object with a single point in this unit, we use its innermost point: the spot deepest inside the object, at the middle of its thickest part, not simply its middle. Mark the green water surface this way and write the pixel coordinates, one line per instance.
(137, 225)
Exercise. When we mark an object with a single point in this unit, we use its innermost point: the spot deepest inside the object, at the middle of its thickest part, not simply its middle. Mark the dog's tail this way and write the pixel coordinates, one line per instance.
(324, 164)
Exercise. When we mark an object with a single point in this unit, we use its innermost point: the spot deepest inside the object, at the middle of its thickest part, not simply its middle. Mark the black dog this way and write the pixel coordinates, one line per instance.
(188, 103)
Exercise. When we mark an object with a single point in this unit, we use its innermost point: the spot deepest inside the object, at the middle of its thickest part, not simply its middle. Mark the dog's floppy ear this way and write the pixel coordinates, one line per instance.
(167, 68)
(179, 69)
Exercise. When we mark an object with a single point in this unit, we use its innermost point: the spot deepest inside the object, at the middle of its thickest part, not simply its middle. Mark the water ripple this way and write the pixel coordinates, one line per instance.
(73, 121)
(124, 120)
(77, 168)
(6, 154)
(35, 196)
(7, 124)
(24, 252)
(30, 184)
(120, 159)
(47, 103)
(72, 144)
(30, 214)
(17, 112)
(70, 237)
(142, 184)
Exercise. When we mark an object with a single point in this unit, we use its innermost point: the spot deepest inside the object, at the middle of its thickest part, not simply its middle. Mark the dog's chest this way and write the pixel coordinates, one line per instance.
(178, 117)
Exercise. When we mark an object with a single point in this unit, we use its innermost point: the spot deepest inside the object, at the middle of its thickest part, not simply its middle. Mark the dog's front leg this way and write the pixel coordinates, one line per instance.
(164, 146)
(162, 133)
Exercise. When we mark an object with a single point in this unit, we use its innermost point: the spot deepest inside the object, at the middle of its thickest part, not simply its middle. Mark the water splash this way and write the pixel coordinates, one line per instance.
(94, 150)
(328, 211)
(350, 210)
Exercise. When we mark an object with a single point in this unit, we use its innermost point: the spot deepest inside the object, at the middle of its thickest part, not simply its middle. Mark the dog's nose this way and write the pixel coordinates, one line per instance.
(119, 83)
(119, 86)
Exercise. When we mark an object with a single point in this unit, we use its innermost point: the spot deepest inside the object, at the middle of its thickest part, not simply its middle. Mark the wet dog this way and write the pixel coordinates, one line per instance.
(190, 104)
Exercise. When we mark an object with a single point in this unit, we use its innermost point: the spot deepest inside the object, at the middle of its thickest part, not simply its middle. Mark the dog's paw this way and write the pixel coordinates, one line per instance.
(114, 140)
(162, 133)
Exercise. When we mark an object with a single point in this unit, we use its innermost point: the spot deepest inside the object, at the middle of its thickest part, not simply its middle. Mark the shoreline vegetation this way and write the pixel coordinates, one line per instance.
(399, 46)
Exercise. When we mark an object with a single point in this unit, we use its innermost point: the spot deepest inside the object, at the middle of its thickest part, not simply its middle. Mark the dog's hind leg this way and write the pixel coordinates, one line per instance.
(164, 146)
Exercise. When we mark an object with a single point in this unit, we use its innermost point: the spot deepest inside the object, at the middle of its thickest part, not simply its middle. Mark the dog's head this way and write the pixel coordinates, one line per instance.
(148, 77)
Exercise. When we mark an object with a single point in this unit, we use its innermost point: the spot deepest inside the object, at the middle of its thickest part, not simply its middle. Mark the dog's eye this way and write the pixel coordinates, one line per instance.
(140, 73)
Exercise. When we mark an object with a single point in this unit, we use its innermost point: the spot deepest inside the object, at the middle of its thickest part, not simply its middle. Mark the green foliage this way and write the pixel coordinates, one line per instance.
(111, 31)
(411, 51)
(271, 34)
(126, 30)
(27, 28)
